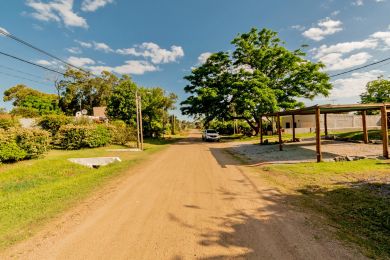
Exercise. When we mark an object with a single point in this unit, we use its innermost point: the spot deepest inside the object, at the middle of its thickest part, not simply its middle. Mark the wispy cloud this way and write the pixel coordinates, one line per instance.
(93, 5)
(325, 27)
(133, 67)
(80, 62)
(60, 11)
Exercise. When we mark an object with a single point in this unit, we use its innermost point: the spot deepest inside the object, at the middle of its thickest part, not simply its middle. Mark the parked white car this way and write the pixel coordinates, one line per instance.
(210, 135)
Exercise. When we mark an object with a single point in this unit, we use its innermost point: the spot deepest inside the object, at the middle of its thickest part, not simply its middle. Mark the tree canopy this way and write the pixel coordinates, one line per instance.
(377, 91)
(30, 102)
(261, 75)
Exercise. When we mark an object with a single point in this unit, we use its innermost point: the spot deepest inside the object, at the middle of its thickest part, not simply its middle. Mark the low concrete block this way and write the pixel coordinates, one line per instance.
(95, 162)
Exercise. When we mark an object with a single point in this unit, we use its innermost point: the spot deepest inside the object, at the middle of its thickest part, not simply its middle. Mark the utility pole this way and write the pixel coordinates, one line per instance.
(137, 110)
(173, 125)
(140, 122)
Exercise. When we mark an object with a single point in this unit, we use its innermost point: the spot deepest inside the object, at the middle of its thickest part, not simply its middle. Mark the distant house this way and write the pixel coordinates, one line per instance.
(100, 112)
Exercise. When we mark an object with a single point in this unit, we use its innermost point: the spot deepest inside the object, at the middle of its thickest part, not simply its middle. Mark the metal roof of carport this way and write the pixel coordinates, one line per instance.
(328, 109)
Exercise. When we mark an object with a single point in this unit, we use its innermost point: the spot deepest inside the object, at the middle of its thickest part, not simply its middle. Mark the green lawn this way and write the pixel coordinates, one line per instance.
(358, 135)
(353, 196)
(32, 192)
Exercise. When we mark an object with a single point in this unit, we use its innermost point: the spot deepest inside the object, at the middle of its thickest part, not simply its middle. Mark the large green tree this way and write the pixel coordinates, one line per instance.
(377, 91)
(81, 90)
(261, 75)
(31, 102)
(155, 105)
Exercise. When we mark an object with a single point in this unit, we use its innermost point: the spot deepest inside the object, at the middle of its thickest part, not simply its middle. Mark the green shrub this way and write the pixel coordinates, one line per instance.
(9, 149)
(52, 123)
(121, 133)
(34, 142)
(8, 121)
(73, 137)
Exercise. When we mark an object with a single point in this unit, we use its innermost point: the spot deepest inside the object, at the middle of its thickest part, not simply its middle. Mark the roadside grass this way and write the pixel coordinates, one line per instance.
(353, 196)
(33, 192)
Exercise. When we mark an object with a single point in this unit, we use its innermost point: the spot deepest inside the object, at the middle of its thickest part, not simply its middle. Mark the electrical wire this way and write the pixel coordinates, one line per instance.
(11, 36)
(21, 77)
(22, 72)
(359, 68)
(31, 63)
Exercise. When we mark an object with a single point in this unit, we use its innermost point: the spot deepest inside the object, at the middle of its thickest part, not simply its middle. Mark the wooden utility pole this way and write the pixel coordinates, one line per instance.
(318, 135)
(137, 113)
(279, 133)
(385, 133)
(364, 122)
(173, 125)
(293, 127)
(140, 122)
(326, 124)
(261, 130)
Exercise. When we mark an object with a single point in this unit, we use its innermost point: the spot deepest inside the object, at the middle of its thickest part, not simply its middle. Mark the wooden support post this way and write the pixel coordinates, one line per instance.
(293, 127)
(261, 130)
(279, 133)
(318, 135)
(326, 124)
(385, 134)
(137, 113)
(140, 123)
(364, 122)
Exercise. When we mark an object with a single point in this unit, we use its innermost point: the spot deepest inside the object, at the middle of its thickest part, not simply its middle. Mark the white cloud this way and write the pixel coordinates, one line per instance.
(134, 67)
(325, 27)
(335, 13)
(344, 47)
(354, 85)
(100, 46)
(336, 61)
(358, 2)
(84, 44)
(384, 36)
(58, 11)
(298, 27)
(45, 62)
(203, 57)
(74, 50)
(80, 62)
(156, 54)
(3, 30)
(93, 5)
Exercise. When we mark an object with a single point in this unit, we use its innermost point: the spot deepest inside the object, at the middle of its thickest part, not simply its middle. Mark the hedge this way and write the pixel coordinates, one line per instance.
(73, 137)
(18, 144)
(52, 123)
(8, 121)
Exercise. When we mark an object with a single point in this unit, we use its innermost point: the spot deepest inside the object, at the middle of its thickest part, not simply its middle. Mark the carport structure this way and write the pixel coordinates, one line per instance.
(317, 110)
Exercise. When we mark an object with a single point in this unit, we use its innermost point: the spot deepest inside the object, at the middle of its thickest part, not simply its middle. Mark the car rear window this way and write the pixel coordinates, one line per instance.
(211, 131)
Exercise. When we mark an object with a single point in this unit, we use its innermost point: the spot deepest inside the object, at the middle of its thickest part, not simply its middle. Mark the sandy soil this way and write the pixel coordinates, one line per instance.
(192, 201)
(304, 151)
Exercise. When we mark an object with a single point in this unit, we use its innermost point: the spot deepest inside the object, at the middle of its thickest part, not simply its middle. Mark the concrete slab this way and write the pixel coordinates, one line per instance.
(124, 150)
(95, 162)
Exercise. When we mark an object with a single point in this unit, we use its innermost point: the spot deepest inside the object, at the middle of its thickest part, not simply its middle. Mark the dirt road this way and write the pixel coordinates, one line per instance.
(192, 201)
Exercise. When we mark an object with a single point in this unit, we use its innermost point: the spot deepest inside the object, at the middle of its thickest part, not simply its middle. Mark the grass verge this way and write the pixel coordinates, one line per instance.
(353, 196)
(32, 192)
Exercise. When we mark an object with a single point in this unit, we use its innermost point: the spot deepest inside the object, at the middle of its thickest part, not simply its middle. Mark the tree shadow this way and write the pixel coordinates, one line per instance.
(357, 212)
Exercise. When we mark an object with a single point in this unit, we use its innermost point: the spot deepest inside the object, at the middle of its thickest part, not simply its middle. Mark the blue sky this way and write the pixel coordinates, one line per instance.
(157, 42)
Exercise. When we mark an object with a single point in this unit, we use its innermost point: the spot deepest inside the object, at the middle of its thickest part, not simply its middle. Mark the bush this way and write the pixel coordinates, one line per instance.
(9, 149)
(74, 137)
(121, 133)
(8, 121)
(18, 144)
(52, 123)
(34, 142)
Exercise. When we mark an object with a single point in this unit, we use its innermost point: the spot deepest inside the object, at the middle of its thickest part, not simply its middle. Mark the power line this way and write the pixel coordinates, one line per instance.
(9, 35)
(359, 68)
(22, 72)
(31, 63)
(21, 77)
